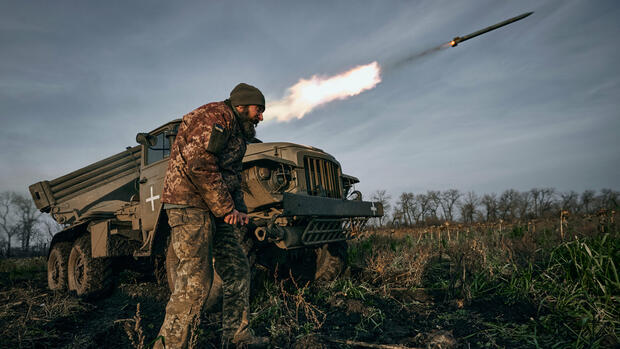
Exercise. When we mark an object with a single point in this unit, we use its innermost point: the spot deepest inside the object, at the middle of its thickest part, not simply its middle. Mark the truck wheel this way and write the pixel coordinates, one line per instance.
(88, 276)
(330, 260)
(57, 266)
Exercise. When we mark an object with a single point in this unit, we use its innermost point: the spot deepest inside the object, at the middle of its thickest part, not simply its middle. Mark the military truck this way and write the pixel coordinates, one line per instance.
(299, 201)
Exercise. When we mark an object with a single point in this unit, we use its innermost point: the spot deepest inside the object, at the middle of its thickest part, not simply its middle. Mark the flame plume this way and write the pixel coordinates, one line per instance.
(306, 95)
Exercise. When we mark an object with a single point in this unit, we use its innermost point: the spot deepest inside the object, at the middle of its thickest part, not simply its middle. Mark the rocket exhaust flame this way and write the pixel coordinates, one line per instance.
(306, 95)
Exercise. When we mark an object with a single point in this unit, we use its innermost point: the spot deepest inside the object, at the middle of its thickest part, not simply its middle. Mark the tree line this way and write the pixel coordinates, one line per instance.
(452, 205)
(24, 230)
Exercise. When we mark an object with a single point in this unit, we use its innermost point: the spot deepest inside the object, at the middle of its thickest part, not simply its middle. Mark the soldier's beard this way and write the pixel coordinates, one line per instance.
(248, 126)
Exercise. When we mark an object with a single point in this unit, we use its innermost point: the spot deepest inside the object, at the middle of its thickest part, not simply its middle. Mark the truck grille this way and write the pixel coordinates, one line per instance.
(324, 230)
(322, 177)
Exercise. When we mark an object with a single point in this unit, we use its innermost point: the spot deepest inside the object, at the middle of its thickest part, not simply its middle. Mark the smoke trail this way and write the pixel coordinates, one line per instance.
(306, 95)
(415, 56)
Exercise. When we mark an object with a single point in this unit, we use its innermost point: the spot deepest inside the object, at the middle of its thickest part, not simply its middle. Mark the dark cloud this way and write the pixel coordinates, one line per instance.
(531, 104)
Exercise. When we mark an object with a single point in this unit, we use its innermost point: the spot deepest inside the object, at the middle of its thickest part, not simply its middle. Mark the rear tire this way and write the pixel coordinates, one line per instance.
(88, 276)
(57, 266)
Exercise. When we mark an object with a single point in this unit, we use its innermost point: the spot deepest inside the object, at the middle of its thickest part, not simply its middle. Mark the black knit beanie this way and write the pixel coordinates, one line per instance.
(244, 94)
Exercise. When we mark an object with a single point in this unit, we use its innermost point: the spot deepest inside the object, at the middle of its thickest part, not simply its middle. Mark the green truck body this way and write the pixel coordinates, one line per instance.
(296, 197)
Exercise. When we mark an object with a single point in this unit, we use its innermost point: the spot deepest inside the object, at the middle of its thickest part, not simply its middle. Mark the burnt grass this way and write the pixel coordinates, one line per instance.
(397, 290)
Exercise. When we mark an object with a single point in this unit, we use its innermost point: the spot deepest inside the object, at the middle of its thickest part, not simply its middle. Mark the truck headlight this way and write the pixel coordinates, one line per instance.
(264, 173)
(280, 178)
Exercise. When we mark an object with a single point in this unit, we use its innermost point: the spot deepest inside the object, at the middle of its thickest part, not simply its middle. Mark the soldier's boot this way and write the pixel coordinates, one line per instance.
(247, 339)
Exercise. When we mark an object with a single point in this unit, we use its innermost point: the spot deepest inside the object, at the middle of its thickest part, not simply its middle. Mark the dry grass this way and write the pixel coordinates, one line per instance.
(15, 270)
(564, 281)
(133, 328)
(29, 315)
(524, 286)
(388, 262)
(304, 311)
(395, 268)
(287, 311)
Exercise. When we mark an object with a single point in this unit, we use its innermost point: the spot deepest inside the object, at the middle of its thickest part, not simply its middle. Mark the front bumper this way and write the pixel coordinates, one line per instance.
(329, 220)
(305, 205)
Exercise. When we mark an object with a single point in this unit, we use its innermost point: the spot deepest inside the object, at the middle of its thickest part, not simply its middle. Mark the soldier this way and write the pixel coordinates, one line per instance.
(204, 203)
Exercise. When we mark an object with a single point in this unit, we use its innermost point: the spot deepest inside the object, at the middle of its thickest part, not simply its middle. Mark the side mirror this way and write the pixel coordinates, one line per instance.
(146, 139)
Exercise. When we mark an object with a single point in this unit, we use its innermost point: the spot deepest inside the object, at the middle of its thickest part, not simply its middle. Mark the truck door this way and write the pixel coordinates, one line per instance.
(154, 164)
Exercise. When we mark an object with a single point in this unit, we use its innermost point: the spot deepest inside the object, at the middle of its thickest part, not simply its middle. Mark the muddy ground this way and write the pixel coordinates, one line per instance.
(31, 316)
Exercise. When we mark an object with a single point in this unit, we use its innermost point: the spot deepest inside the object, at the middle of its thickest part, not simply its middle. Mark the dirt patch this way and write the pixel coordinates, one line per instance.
(33, 316)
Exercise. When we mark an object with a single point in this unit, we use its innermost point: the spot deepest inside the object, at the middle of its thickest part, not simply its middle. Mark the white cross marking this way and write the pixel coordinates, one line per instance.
(152, 199)
(373, 208)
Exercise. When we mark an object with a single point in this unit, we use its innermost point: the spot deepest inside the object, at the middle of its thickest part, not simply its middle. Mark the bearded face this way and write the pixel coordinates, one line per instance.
(248, 125)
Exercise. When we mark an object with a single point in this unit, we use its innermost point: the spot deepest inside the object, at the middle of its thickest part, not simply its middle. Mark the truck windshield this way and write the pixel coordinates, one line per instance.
(160, 150)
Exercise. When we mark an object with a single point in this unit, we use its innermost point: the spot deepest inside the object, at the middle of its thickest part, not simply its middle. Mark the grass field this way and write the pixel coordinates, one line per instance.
(474, 288)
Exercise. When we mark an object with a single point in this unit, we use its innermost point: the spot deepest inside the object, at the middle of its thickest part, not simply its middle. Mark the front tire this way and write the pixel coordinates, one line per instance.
(57, 266)
(88, 276)
(330, 261)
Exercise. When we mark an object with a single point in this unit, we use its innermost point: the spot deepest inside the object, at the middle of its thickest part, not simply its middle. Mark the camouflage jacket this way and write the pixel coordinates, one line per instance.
(205, 164)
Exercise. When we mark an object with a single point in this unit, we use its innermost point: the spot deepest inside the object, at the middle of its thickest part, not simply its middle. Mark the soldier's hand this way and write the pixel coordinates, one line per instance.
(236, 217)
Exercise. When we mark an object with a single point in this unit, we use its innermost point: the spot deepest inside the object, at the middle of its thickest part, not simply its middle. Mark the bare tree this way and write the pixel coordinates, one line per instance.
(534, 197)
(407, 207)
(524, 206)
(3, 246)
(49, 226)
(449, 199)
(423, 202)
(587, 201)
(489, 201)
(398, 217)
(434, 203)
(542, 200)
(8, 219)
(28, 217)
(609, 199)
(508, 204)
(384, 198)
(548, 201)
(469, 207)
(569, 201)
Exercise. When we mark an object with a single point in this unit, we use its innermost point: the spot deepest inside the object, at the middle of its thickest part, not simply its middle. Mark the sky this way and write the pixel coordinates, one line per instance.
(533, 104)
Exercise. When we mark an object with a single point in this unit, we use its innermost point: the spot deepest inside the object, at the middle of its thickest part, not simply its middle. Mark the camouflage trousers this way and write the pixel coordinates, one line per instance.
(191, 238)
(231, 263)
(196, 238)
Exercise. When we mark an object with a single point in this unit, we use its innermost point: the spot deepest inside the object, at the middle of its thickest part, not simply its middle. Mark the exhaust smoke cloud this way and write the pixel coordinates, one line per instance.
(415, 56)
(306, 95)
